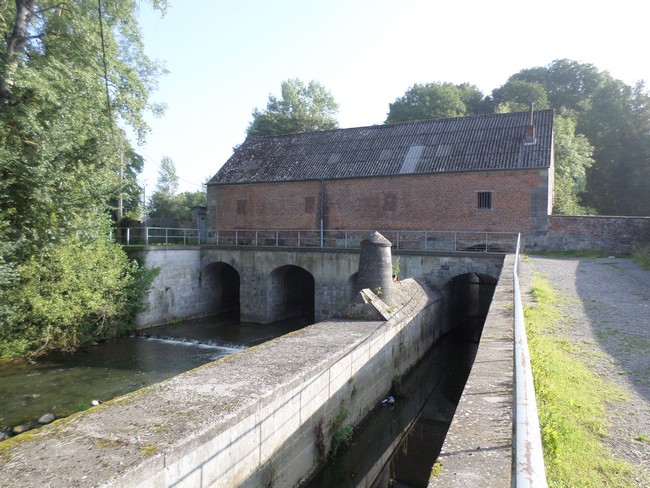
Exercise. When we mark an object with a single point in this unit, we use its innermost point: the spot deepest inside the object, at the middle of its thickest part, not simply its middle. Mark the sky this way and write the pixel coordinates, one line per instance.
(224, 59)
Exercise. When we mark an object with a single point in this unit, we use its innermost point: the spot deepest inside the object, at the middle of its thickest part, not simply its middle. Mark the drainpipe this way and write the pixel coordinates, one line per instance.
(322, 211)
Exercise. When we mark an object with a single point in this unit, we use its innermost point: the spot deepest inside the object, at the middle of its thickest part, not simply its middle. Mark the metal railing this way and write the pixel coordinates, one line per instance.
(426, 240)
(529, 459)
(151, 236)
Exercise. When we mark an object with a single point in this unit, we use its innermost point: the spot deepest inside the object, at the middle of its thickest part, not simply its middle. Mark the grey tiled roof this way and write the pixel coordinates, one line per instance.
(479, 143)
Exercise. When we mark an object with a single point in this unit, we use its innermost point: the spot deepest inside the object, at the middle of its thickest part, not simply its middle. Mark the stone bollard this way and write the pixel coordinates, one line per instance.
(376, 267)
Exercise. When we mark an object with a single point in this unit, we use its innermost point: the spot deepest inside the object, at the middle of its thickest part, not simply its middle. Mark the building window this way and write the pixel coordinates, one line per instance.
(242, 207)
(310, 205)
(484, 200)
(390, 202)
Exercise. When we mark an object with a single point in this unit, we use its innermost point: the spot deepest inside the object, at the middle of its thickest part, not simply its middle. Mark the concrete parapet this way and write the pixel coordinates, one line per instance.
(262, 417)
(477, 451)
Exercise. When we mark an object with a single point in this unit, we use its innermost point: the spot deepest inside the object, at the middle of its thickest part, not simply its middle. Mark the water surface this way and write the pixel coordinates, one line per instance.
(62, 383)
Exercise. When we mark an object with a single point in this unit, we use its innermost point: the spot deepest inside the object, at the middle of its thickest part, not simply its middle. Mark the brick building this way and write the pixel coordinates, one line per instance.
(482, 173)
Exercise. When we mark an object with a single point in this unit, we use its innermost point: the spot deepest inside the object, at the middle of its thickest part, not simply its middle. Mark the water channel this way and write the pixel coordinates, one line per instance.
(409, 432)
(413, 428)
(64, 383)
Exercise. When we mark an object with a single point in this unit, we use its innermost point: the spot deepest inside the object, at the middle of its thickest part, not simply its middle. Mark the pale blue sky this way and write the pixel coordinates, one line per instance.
(225, 58)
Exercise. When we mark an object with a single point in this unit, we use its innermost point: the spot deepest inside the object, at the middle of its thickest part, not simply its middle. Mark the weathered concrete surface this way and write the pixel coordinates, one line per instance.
(178, 292)
(185, 288)
(478, 449)
(251, 419)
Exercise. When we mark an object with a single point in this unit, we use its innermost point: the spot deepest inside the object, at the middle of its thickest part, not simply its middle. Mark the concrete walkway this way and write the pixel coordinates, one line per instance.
(606, 305)
(478, 449)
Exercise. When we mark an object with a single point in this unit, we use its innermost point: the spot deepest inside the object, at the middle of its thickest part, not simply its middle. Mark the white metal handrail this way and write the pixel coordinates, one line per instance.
(527, 443)
(427, 240)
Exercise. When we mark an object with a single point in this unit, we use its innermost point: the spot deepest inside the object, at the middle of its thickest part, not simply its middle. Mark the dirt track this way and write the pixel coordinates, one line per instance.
(606, 304)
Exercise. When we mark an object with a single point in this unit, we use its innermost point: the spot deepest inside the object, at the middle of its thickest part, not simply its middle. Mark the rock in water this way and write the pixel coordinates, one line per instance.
(46, 419)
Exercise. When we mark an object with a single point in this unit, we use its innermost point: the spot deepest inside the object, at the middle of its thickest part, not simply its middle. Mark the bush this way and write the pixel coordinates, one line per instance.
(74, 292)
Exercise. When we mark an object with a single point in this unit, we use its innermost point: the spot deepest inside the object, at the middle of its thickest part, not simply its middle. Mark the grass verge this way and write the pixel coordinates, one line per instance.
(571, 402)
(642, 257)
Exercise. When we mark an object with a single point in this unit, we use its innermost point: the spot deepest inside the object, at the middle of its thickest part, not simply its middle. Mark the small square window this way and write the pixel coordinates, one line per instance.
(484, 200)
(242, 207)
(310, 205)
(390, 202)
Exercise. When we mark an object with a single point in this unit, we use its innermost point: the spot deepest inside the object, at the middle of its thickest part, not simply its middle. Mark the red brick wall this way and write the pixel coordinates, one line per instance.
(440, 202)
(597, 233)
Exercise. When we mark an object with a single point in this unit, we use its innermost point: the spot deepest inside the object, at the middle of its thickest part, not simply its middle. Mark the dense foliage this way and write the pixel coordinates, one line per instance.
(166, 202)
(435, 101)
(67, 82)
(602, 129)
(302, 108)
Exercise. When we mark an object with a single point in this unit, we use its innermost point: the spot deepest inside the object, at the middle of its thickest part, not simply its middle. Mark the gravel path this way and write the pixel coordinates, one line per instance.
(606, 303)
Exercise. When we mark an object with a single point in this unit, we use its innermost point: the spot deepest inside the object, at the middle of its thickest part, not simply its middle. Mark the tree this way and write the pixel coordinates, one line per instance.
(567, 83)
(167, 178)
(617, 122)
(428, 101)
(573, 157)
(518, 96)
(68, 78)
(165, 203)
(302, 108)
(432, 101)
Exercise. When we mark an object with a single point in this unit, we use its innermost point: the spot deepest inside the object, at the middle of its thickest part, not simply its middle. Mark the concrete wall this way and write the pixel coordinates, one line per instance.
(477, 451)
(185, 288)
(178, 291)
(446, 201)
(262, 417)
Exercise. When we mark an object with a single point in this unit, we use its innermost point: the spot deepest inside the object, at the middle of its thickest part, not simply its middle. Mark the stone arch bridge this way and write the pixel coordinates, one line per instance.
(268, 284)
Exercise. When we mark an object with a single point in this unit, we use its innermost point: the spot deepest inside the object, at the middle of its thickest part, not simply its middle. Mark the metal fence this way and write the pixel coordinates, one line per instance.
(529, 458)
(347, 239)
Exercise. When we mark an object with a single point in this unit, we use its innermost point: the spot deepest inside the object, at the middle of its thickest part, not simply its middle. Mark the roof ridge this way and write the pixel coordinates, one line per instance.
(407, 122)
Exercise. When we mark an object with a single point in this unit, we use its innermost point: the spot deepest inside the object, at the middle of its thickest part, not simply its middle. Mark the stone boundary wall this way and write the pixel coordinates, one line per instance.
(596, 233)
(262, 417)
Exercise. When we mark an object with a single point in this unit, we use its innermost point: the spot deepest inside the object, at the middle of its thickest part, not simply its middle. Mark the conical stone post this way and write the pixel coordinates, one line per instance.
(376, 267)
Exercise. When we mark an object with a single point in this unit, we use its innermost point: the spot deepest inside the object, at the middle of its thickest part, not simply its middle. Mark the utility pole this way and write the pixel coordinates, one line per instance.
(119, 191)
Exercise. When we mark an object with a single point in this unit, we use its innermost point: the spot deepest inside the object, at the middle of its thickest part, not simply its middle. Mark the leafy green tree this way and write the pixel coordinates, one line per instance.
(573, 157)
(518, 96)
(567, 83)
(474, 100)
(617, 122)
(432, 101)
(165, 203)
(68, 78)
(302, 108)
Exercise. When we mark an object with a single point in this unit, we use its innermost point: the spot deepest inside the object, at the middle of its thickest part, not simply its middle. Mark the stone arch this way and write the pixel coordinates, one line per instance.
(470, 299)
(223, 285)
(291, 294)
